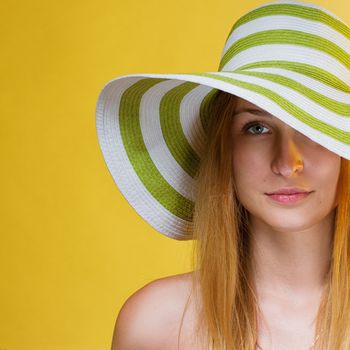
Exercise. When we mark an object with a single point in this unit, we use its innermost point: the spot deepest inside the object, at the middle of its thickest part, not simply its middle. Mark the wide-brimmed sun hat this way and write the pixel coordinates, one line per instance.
(290, 58)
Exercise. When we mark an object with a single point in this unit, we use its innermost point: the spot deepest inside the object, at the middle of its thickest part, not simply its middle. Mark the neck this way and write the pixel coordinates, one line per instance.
(293, 262)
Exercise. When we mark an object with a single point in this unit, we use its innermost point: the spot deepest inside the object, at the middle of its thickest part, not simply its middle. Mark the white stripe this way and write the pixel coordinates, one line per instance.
(156, 146)
(287, 22)
(299, 100)
(293, 53)
(120, 168)
(304, 4)
(311, 83)
(191, 123)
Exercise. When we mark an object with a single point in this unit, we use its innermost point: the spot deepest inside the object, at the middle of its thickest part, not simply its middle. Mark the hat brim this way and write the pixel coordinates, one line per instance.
(151, 130)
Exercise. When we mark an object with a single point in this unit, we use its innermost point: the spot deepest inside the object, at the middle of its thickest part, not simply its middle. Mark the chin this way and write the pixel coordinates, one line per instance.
(285, 228)
(282, 220)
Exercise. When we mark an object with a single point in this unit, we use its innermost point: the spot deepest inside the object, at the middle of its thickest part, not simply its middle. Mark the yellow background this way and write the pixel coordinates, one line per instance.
(72, 249)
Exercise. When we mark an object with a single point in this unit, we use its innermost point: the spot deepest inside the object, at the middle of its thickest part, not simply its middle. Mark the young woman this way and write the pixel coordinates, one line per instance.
(252, 162)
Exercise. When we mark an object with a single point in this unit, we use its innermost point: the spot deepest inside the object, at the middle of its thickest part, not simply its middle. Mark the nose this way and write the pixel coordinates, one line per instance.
(288, 160)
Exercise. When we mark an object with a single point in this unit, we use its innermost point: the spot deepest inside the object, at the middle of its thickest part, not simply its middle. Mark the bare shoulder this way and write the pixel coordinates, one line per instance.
(150, 317)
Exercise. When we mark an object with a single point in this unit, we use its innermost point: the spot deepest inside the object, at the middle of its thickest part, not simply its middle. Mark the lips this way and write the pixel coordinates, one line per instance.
(289, 196)
(288, 191)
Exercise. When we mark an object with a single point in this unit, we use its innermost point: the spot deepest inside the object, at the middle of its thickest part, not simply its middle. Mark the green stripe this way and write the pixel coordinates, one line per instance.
(286, 36)
(146, 170)
(312, 14)
(173, 133)
(333, 105)
(205, 108)
(307, 69)
(295, 111)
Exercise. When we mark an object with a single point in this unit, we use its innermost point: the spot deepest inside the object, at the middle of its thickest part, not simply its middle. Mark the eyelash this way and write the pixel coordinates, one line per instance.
(253, 123)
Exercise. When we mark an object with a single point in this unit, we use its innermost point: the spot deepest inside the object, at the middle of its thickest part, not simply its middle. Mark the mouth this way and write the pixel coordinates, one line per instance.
(289, 191)
(287, 198)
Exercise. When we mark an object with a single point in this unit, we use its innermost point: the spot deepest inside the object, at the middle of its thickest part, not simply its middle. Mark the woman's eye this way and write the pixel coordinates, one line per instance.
(256, 126)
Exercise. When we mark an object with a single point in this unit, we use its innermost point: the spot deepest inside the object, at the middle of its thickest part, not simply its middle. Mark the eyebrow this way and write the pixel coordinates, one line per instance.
(254, 111)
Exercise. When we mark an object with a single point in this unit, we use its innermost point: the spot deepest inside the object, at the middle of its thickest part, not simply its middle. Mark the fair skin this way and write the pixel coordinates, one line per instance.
(290, 246)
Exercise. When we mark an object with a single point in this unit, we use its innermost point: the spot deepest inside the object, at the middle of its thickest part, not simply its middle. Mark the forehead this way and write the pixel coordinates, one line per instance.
(243, 105)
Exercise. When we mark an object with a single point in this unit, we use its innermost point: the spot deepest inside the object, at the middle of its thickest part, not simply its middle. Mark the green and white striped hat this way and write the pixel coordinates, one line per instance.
(290, 58)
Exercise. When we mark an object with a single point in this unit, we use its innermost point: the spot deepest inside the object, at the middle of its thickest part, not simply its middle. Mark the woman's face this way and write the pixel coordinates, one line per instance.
(266, 157)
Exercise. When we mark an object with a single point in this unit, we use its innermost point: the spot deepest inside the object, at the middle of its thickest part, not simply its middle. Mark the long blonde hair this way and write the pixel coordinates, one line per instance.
(222, 279)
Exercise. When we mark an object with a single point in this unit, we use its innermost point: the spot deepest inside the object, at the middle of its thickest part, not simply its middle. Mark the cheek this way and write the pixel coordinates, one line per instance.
(249, 165)
(327, 176)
